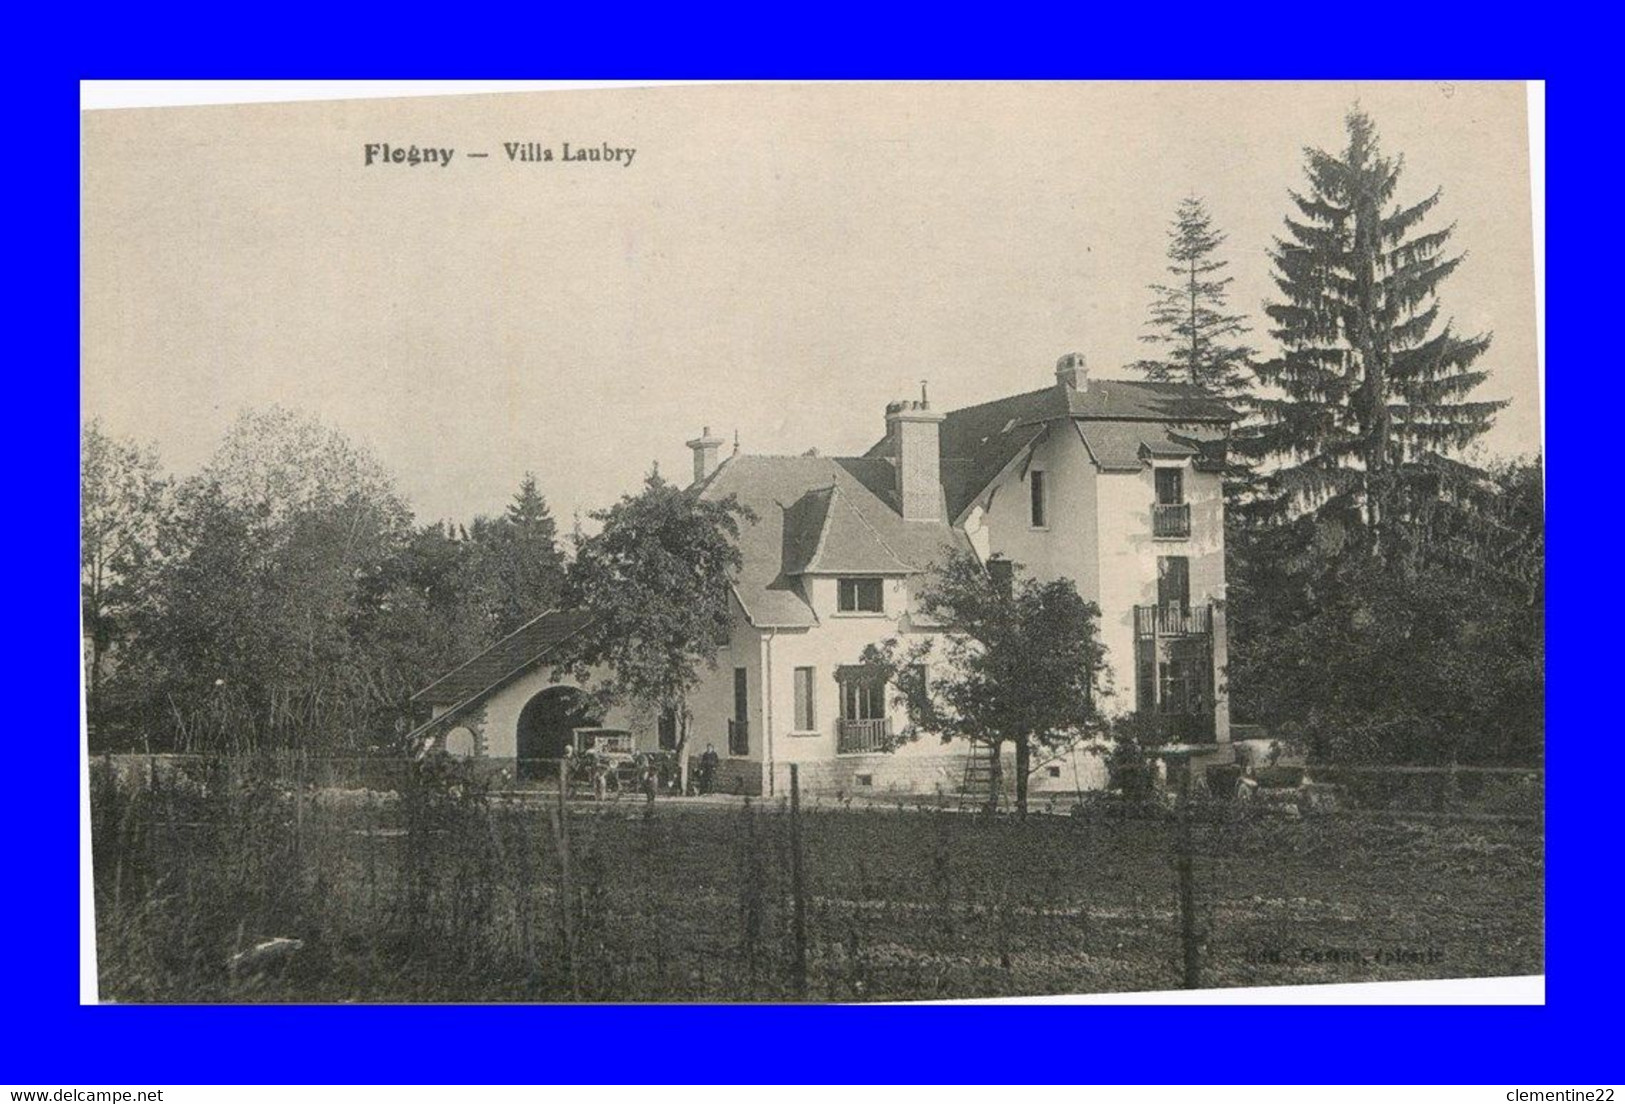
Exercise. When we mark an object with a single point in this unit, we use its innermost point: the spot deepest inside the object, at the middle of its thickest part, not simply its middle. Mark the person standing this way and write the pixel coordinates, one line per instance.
(708, 769)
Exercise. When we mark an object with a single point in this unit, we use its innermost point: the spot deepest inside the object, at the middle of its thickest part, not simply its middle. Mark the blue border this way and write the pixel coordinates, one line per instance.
(53, 1041)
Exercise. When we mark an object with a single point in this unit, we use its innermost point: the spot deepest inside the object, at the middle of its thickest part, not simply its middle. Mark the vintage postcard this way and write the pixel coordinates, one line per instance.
(813, 542)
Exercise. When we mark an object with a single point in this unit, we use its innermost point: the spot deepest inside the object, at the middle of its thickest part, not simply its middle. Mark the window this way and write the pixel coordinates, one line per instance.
(1174, 583)
(806, 707)
(861, 596)
(1171, 516)
(863, 700)
(1147, 684)
(1040, 513)
(460, 743)
(1170, 486)
(739, 726)
(1181, 687)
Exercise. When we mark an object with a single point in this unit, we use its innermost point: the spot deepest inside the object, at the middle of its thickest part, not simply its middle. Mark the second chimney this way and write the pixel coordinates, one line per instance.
(915, 444)
(1072, 372)
(705, 449)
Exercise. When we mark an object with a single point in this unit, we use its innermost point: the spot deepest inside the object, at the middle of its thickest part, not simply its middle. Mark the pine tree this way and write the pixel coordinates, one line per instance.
(518, 564)
(1189, 316)
(1371, 392)
(528, 511)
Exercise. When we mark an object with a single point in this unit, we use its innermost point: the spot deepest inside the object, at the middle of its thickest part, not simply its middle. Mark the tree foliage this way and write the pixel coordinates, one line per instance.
(1386, 599)
(1022, 667)
(657, 577)
(1190, 320)
(1370, 384)
(1434, 654)
(290, 600)
(518, 563)
(124, 499)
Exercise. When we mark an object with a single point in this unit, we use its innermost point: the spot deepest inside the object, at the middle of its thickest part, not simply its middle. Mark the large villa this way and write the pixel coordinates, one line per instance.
(1115, 484)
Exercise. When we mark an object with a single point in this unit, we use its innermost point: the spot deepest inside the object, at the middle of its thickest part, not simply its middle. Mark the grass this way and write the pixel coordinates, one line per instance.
(446, 893)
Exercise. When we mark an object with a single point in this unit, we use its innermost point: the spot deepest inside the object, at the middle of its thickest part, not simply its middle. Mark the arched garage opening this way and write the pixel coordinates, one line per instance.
(545, 725)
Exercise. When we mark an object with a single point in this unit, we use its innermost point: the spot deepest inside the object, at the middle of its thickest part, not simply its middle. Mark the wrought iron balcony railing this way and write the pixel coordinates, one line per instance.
(1171, 522)
(1154, 621)
(858, 736)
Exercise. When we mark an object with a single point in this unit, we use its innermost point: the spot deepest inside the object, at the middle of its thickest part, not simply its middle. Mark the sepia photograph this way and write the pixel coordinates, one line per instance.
(812, 542)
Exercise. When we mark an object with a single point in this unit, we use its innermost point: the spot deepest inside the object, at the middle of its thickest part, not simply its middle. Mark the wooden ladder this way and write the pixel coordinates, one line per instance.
(978, 780)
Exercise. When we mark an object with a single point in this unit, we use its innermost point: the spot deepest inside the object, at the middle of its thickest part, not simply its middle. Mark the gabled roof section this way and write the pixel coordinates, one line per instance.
(848, 544)
(804, 524)
(818, 513)
(979, 442)
(508, 658)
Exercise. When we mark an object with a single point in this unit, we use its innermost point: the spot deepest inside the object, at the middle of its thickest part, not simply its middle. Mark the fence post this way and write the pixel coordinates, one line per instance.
(797, 888)
(565, 901)
(1187, 893)
(298, 805)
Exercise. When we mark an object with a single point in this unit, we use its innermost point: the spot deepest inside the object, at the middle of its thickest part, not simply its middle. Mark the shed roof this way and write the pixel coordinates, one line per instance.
(508, 658)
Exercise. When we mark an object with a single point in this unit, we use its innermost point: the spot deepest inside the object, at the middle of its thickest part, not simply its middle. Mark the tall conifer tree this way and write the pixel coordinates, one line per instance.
(1372, 388)
(521, 564)
(1190, 318)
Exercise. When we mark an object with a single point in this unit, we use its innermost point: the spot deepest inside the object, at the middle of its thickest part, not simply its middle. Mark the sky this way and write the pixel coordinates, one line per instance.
(775, 260)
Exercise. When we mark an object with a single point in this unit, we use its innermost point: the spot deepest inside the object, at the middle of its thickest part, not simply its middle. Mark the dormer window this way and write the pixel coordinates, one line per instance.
(861, 595)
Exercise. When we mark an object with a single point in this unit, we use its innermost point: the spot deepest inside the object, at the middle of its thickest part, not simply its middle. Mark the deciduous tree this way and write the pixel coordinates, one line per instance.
(123, 500)
(1020, 664)
(657, 576)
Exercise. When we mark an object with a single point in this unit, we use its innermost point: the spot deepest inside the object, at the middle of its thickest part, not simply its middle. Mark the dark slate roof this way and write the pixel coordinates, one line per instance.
(978, 442)
(803, 528)
(819, 513)
(1155, 402)
(848, 544)
(511, 656)
(1124, 446)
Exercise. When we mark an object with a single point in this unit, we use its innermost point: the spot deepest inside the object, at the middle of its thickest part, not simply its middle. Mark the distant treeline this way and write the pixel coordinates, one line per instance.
(284, 596)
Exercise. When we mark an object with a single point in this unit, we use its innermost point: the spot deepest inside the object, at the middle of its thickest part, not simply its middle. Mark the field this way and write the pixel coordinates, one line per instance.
(444, 892)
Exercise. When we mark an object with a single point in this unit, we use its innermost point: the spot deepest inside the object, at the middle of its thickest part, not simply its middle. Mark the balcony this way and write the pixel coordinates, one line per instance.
(1171, 522)
(852, 737)
(1151, 622)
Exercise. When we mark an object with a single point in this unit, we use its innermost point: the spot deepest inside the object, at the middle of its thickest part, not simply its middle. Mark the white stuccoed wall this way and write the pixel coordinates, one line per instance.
(1099, 536)
(1128, 561)
(1066, 547)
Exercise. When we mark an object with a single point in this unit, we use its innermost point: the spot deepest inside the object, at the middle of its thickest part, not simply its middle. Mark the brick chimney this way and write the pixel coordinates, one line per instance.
(1072, 372)
(914, 432)
(705, 449)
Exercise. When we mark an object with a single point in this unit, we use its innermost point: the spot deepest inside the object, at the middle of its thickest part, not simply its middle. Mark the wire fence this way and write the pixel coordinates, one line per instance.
(280, 878)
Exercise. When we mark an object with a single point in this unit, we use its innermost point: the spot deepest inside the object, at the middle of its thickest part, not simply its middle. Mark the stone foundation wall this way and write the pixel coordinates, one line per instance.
(944, 773)
(734, 776)
(857, 775)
